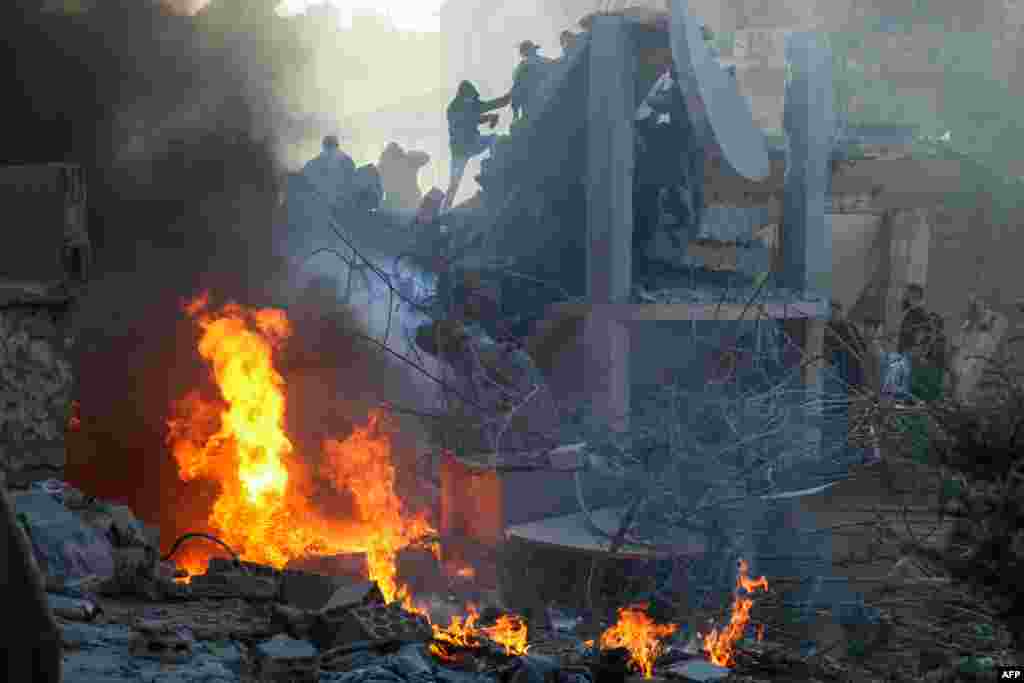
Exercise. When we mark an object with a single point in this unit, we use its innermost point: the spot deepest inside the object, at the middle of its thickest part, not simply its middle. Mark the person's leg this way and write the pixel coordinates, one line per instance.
(456, 171)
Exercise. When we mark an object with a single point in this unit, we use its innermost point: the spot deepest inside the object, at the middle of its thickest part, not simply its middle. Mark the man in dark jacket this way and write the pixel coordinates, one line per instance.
(923, 339)
(466, 113)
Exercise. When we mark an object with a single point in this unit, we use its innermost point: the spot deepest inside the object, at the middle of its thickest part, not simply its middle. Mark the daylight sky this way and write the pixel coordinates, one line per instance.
(408, 15)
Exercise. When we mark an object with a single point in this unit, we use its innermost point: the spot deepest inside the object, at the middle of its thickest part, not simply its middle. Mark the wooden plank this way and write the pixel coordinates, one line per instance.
(730, 311)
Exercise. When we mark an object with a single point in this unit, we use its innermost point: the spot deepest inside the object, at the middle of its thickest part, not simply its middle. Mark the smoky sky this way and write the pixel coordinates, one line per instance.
(176, 129)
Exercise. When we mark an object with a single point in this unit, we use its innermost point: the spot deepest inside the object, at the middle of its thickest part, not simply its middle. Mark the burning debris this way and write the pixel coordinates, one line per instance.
(265, 508)
(720, 645)
(636, 632)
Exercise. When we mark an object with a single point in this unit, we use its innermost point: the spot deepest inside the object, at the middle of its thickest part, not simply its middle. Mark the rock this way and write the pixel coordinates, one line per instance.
(285, 660)
(234, 585)
(168, 643)
(350, 566)
(65, 548)
(373, 622)
(346, 597)
(698, 671)
(298, 623)
(72, 608)
(307, 591)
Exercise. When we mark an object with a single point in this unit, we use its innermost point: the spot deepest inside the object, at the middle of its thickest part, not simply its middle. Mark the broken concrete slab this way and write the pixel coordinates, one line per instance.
(698, 671)
(285, 660)
(65, 548)
(351, 566)
(169, 643)
(355, 595)
(234, 585)
(375, 622)
(307, 591)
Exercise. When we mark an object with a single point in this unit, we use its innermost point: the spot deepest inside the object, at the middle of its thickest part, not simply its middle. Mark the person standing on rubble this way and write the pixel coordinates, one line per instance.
(332, 173)
(845, 351)
(667, 186)
(466, 113)
(527, 78)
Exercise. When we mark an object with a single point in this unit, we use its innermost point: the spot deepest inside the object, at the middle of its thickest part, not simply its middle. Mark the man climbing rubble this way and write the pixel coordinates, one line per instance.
(466, 113)
(332, 172)
(527, 79)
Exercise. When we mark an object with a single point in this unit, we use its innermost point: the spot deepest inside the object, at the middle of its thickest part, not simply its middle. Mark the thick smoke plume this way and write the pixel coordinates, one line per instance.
(176, 122)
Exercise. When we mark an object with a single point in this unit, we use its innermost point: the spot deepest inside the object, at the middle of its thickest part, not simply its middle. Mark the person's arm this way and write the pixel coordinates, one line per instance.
(491, 105)
(418, 159)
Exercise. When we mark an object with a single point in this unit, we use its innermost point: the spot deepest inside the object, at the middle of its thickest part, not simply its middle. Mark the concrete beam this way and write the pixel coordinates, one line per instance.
(610, 164)
(629, 313)
(810, 127)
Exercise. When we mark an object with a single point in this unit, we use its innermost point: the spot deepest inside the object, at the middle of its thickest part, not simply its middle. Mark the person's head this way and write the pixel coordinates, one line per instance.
(467, 91)
(567, 39)
(330, 143)
(392, 151)
(913, 296)
(528, 48)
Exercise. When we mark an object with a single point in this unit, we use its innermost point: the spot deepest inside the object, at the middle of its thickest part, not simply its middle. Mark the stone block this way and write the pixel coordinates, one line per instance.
(354, 595)
(234, 585)
(168, 643)
(370, 623)
(306, 590)
(285, 660)
(351, 566)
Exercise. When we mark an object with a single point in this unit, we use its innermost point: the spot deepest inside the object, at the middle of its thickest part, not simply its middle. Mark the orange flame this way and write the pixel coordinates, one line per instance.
(721, 645)
(240, 443)
(638, 633)
(509, 632)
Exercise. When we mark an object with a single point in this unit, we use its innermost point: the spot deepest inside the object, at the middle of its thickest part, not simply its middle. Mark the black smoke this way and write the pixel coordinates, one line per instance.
(173, 118)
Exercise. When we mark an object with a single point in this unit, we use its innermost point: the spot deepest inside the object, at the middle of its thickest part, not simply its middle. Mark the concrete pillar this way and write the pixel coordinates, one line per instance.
(809, 122)
(910, 242)
(609, 212)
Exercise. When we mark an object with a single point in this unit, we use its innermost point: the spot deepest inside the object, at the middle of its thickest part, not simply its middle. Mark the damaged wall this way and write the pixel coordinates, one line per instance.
(36, 384)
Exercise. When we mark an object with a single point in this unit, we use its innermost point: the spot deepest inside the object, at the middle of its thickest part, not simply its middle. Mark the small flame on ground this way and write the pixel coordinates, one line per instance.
(240, 443)
(638, 633)
(509, 631)
(721, 645)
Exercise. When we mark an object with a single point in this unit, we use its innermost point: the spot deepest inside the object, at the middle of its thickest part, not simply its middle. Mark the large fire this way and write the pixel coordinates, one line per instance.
(263, 510)
(721, 645)
(638, 633)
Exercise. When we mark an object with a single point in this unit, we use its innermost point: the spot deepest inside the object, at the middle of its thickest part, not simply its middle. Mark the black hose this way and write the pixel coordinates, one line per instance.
(209, 537)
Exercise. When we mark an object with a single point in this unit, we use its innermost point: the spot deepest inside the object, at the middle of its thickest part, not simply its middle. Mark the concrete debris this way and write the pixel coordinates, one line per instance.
(356, 595)
(298, 623)
(698, 671)
(350, 566)
(307, 591)
(35, 403)
(373, 622)
(168, 643)
(234, 585)
(64, 547)
(285, 660)
(73, 608)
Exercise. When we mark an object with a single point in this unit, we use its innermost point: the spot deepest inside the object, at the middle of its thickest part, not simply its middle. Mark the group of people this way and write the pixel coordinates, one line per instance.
(467, 111)
(864, 364)
(393, 180)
